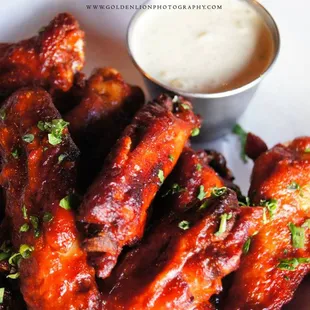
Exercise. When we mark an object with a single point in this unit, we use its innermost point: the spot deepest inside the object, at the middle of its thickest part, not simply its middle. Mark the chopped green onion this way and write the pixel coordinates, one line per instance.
(184, 225)
(2, 114)
(307, 150)
(171, 158)
(47, 217)
(195, 132)
(24, 228)
(2, 289)
(28, 138)
(35, 223)
(198, 167)
(25, 250)
(55, 129)
(65, 203)
(203, 206)
(161, 176)
(223, 223)
(292, 264)
(271, 206)
(202, 194)
(294, 186)
(246, 246)
(218, 191)
(15, 153)
(298, 236)
(13, 276)
(185, 106)
(24, 211)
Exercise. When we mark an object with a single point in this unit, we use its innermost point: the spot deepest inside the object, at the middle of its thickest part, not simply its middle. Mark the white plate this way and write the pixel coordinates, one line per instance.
(279, 112)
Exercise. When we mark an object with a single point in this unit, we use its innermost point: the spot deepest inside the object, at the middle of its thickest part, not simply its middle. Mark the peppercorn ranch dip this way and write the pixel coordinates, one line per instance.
(203, 50)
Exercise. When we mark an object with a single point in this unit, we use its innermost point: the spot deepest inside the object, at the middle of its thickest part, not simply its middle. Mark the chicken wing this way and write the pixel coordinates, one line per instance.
(38, 175)
(49, 59)
(107, 107)
(279, 255)
(181, 262)
(115, 207)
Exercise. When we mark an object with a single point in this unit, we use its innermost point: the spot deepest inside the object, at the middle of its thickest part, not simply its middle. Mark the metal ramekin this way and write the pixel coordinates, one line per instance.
(219, 111)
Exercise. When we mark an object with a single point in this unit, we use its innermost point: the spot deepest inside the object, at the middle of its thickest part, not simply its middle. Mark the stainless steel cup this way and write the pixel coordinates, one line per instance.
(219, 111)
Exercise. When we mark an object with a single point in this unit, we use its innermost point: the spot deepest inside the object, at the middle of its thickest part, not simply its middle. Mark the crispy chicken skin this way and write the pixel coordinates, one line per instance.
(114, 209)
(107, 107)
(49, 59)
(56, 275)
(282, 174)
(175, 268)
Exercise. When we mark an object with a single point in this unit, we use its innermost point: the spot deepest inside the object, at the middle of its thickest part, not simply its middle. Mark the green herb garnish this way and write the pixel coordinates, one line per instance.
(238, 130)
(171, 158)
(24, 211)
(218, 191)
(176, 188)
(161, 176)
(15, 153)
(294, 186)
(2, 289)
(195, 132)
(198, 167)
(246, 246)
(202, 194)
(223, 223)
(2, 114)
(24, 228)
(185, 106)
(55, 129)
(298, 236)
(35, 224)
(293, 263)
(271, 206)
(65, 203)
(13, 276)
(28, 138)
(47, 217)
(184, 225)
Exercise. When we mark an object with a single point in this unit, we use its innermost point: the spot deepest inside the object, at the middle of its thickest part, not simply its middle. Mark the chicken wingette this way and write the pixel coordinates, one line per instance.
(49, 60)
(114, 209)
(279, 255)
(38, 175)
(107, 106)
(181, 262)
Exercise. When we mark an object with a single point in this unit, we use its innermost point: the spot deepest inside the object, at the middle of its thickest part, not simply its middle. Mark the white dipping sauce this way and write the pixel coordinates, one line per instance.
(203, 51)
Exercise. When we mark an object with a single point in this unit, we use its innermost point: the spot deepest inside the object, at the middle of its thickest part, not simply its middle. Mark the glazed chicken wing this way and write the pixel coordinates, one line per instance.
(181, 262)
(114, 209)
(279, 255)
(49, 59)
(107, 107)
(38, 174)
